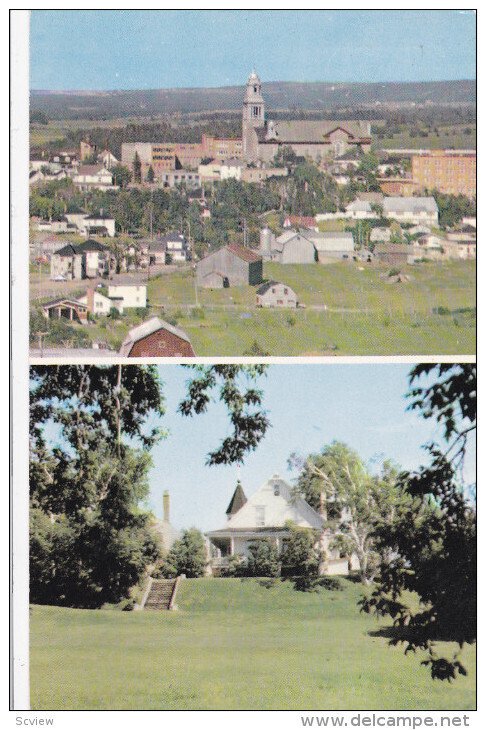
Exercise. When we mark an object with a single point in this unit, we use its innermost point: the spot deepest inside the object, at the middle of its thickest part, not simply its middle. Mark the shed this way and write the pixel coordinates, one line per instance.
(276, 294)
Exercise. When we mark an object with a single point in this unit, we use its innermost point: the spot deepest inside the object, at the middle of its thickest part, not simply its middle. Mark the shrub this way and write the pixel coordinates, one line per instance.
(263, 560)
(290, 319)
(187, 555)
(300, 558)
(198, 313)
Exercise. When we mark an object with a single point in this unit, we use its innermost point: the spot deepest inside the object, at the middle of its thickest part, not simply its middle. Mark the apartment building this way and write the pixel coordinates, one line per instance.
(448, 171)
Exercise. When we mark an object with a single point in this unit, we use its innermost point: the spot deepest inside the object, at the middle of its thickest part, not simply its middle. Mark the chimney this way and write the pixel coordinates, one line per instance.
(166, 503)
(90, 299)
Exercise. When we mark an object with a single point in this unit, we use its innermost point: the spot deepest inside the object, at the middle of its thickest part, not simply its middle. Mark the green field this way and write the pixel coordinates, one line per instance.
(350, 310)
(234, 644)
(449, 137)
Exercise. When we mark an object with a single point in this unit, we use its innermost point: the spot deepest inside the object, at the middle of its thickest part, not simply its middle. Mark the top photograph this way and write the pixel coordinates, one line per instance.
(249, 183)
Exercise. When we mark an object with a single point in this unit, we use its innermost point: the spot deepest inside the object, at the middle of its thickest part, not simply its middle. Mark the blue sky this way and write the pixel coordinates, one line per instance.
(309, 406)
(127, 49)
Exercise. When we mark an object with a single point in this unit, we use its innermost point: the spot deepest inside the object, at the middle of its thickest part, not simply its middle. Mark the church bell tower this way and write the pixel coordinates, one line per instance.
(253, 116)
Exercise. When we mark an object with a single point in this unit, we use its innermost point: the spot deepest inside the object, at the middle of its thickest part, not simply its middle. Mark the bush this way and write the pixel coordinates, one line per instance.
(187, 555)
(300, 558)
(330, 583)
(263, 560)
(291, 320)
(198, 313)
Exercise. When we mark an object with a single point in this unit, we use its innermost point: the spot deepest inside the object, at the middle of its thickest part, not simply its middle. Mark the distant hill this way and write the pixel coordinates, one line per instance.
(282, 95)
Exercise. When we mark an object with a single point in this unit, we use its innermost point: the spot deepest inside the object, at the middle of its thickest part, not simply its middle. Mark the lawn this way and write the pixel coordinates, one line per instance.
(234, 644)
(350, 310)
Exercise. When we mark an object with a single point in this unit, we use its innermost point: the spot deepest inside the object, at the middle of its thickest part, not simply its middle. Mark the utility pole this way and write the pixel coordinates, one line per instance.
(41, 335)
(191, 246)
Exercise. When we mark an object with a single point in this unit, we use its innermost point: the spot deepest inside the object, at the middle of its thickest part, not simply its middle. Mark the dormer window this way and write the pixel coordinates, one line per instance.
(276, 489)
(260, 516)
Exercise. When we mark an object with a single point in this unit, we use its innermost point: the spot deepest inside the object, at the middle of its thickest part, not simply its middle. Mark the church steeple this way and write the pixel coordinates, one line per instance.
(253, 116)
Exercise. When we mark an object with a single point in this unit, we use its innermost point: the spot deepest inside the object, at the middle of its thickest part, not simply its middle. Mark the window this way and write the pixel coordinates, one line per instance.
(260, 516)
(276, 489)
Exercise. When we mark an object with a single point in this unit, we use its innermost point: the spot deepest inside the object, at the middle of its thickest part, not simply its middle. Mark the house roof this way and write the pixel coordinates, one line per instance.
(63, 300)
(148, 328)
(332, 240)
(92, 170)
(409, 205)
(76, 248)
(237, 500)
(302, 220)
(244, 253)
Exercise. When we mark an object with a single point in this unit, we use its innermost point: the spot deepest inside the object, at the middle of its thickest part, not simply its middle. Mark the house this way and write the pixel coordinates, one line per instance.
(210, 171)
(157, 252)
(232, 169)
(380, 235)
(173, 178)
(93, 177)
(276, 294)
(294, 248)
(128, 294)
(332, 245)
(394, 254)
(412, 210)
(178, 249)
(107, 159)
(99, 224)
(156, 338)
(266, 515)
(360, 210)
(76, 217)
(96, 302)
(81, 261)
(429, 246)
(231, 265)
(66, 308)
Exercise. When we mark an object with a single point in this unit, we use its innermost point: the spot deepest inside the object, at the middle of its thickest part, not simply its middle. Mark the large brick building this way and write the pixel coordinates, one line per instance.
(448, 171)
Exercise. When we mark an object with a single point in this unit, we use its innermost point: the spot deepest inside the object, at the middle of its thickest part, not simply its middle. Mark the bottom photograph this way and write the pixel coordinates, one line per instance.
(253, 537)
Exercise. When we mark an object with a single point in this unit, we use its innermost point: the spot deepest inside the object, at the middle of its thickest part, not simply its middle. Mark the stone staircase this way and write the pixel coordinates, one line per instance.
(161, 595)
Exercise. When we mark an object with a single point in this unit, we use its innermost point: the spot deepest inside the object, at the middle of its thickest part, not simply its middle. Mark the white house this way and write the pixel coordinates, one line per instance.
(100, 224)
(265, 515)
(176, 246)
(96, 302)
(93, 177)
(360, 210)
(412, 210)
(128, 295)
(232, 169)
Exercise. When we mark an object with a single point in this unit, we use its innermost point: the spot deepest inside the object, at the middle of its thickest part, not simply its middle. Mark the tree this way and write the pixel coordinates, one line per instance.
(150, 174)
(263, 560)
(242, 401)
(187, 555)
(90, 537)
(137, 168)
(121, 175)
(352, 500)
(433, 539)
(300, 558)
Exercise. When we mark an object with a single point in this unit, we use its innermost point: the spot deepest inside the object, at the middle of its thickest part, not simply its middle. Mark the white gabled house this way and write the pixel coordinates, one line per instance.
(265, 515)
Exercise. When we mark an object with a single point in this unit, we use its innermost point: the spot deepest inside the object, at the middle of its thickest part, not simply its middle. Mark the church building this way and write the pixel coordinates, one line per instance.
(262, 138)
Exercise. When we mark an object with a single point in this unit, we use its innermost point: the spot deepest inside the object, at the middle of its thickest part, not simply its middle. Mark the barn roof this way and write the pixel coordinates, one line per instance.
(244, 253)
(148, 328)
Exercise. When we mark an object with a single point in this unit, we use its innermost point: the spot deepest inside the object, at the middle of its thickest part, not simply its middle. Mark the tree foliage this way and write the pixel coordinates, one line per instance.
(352, 500)
(433, 540)
(236, 389)
(187, 555)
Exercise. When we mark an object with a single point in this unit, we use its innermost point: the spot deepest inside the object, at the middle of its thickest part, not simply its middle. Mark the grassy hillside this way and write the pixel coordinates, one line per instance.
(350, 309)
(234, 644)
(278, 95)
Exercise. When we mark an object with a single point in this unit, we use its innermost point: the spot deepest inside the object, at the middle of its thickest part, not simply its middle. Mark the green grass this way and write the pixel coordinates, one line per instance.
(365, 315)
(450, 137)
(232, 645)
